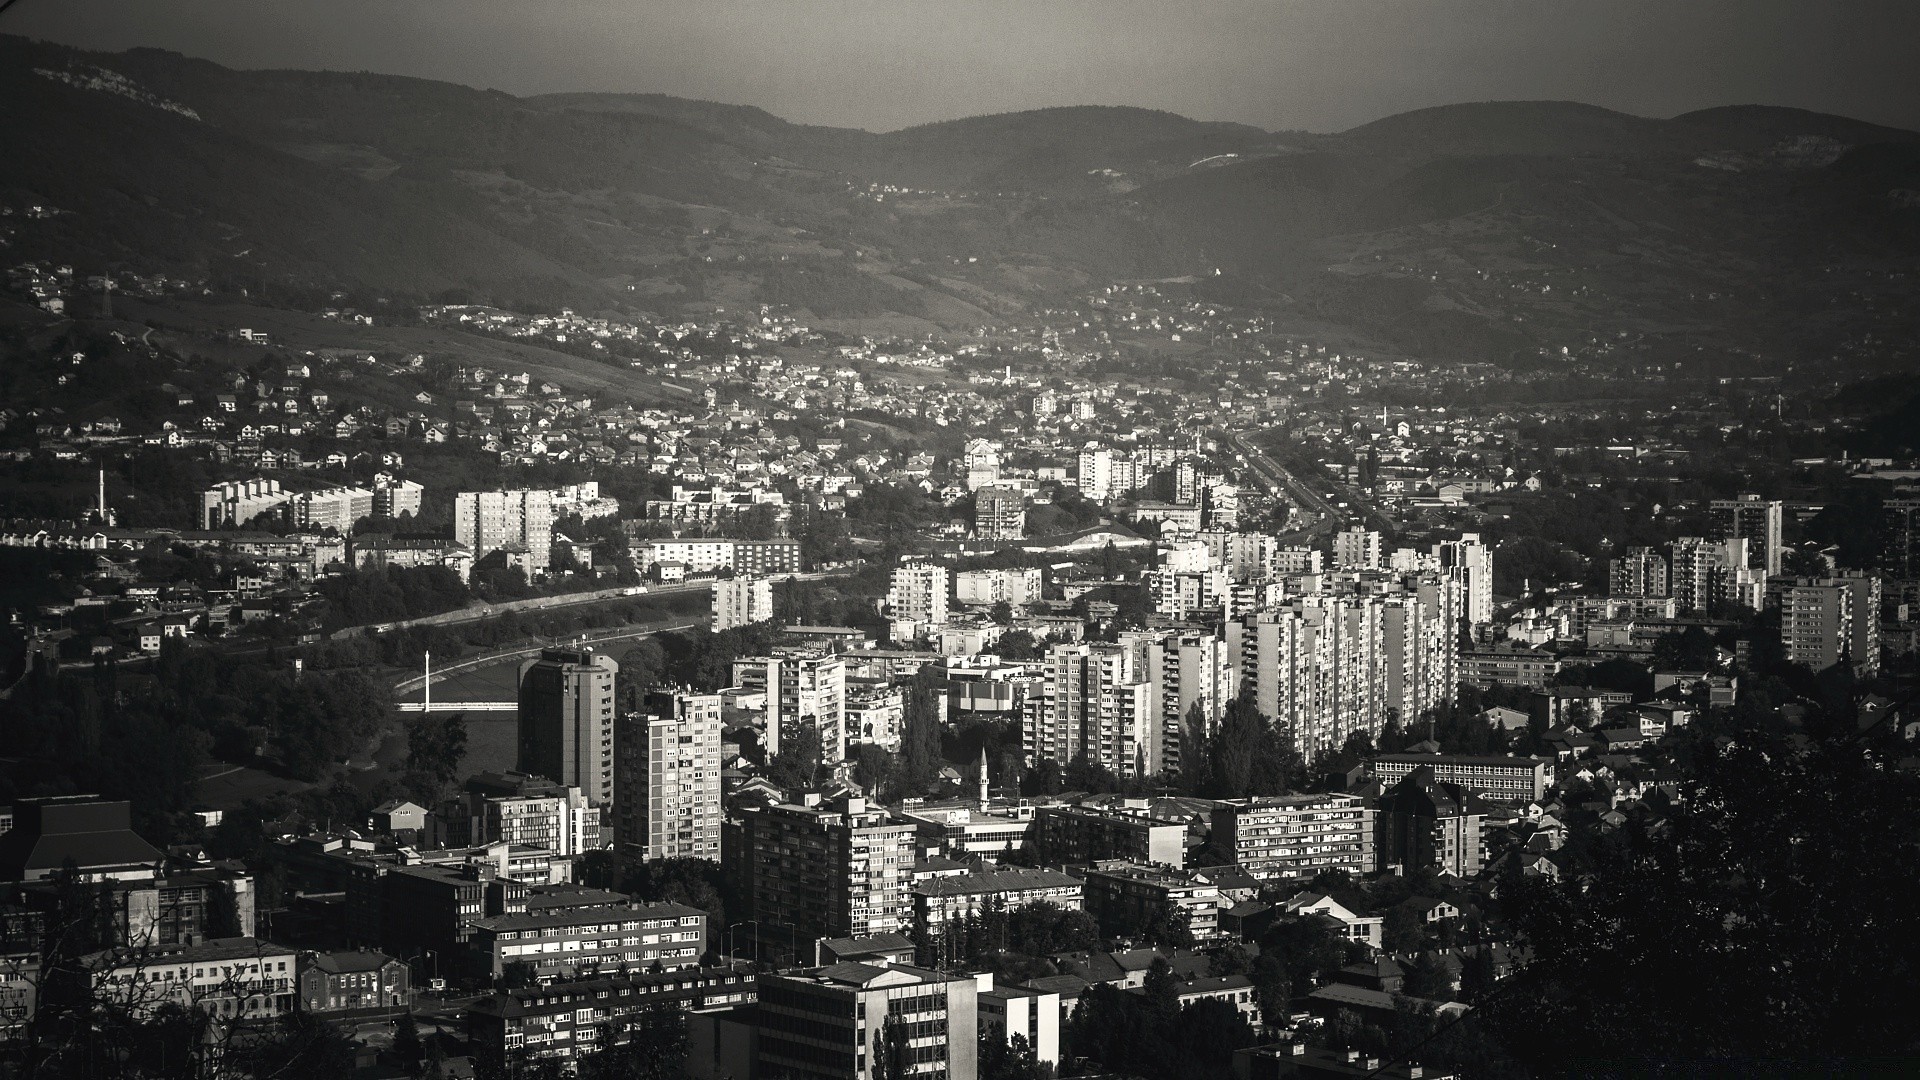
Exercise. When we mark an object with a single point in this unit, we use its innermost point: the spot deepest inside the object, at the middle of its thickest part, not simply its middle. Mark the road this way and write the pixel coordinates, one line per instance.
(1305, 497)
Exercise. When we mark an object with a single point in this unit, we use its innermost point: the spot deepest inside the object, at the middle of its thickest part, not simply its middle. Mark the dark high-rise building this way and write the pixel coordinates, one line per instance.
(566, 720)
(1900, 550)
(1425, 822)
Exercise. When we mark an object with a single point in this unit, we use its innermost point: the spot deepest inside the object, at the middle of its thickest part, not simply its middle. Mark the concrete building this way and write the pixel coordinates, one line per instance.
(1900, 551)
(1086, 834)
(1344, 659)
(1508, 780)
(741, 601)
(486, 521)
(939, 900)
(1357, 548)
(825, 870)
(749, 558)
(237, 502)
(919, 593)
(1094, 471)
(576, 943)
(1472, 562)
(563, 1019)
(800, 687)
(1757, 521)
(1425, 822)
(999, 513)
(1096, 701)
(1014, 587)
(1640, 572)
(335, 508)
(397, 498)
(667, 777)
(1126, 897)
(516, 808)
(566, 720)
(1824, 621)
(1296, 836)
(848, 1021)
(1034, 1015)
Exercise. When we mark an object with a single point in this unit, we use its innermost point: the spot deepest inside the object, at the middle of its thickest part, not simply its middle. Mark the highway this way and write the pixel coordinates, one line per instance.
(1297, 492)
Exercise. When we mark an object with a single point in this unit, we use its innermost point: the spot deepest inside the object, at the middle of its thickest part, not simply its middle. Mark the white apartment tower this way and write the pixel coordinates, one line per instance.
(667, 778)
(919, 593)
(741, 601)
(486, 521)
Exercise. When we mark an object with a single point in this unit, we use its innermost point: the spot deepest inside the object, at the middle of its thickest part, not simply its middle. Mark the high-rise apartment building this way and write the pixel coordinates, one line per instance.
(1471, 561)
(486, 521)
(1702, 573)
(1096, 700)
(666, 802)
(1824, 621)
(1195, 676)
(839, 869)
(919, 593)
(1357, 548)
(741, 601)
(1341, 661)
(801, 687)
(566, 720)
(1640, 572)
(1756, 521)
(1900, 552)
(1095, 473)
(237, 502)
(999, 513)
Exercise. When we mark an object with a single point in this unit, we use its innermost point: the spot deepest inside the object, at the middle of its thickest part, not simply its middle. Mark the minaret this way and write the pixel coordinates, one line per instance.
(984, 798)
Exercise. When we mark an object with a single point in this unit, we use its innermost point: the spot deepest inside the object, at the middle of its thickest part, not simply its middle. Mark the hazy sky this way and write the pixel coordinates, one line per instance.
(1322, 65)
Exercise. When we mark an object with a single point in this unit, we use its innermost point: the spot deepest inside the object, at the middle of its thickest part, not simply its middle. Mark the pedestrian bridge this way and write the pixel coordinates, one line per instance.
(460, 706)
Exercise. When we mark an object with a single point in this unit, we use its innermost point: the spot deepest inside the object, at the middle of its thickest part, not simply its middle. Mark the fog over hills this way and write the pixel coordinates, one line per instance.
(1471, 230)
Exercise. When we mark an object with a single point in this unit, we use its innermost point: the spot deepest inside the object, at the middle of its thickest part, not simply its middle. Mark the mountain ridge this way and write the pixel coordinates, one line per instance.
(1400, 228)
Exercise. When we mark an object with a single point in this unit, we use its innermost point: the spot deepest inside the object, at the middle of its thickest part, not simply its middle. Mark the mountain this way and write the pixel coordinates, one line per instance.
(1483, 230)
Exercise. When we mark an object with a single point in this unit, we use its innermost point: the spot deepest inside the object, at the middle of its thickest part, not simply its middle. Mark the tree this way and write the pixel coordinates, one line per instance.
(407, 1050)
(435, 746)
(1011, 1058)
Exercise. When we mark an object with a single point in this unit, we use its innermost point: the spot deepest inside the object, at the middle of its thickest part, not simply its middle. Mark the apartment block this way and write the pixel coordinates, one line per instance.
(1756, 521)
(1124, 897)
(580, 942)
(1086, 834)
(999, 513)
(1424, 822)
(741, 601)
(1016, 587)
(1824, 621)
(1096, 700)
(800, 686)
(837, 869)
(939, 900)
(1296, 836)
(848, 1021)
(667, 777)
(919, 593)
(564, 1020)
(521, 521)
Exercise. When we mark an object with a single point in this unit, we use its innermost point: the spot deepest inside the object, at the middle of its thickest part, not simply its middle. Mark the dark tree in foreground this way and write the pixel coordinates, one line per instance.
(1771, 917)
